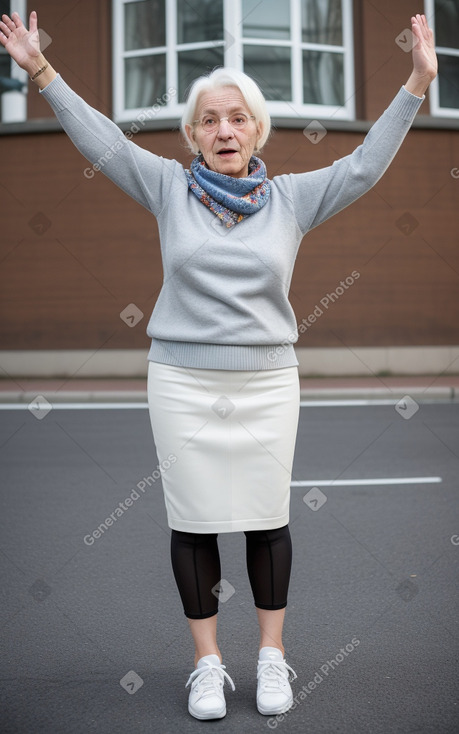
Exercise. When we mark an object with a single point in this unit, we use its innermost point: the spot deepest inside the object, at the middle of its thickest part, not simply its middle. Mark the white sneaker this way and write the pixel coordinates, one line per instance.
(206, 699)
(274, 695)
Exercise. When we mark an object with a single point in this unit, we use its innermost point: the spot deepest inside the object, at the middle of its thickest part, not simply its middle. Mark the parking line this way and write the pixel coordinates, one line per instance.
(143, 405)
(344, 403)
(78, 406)
(366, 482)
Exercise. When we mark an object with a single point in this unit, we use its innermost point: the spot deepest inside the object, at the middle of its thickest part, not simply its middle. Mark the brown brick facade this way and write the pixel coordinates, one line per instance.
(74, 252)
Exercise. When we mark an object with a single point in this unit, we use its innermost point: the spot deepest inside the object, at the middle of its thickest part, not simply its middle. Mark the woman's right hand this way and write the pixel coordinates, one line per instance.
(22, 45)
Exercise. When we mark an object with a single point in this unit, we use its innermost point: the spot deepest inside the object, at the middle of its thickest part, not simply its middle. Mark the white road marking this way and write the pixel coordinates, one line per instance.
(344, 403)
(305, 483)
(366, 482)
(78, 406)
(142, 406)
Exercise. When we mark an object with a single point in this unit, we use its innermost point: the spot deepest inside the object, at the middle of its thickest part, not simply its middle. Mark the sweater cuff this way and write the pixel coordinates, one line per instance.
(58, 94)
(405, 105)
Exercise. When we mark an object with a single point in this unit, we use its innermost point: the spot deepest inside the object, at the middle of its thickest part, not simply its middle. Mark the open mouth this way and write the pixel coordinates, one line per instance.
(227, 152)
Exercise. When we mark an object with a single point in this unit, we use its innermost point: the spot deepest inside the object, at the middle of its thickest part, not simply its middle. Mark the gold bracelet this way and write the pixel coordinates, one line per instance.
(39, 72)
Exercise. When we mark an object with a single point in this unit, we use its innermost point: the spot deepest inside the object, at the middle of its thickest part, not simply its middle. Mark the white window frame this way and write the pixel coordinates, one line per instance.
(14, 104)
(436, 109)
(233, 56)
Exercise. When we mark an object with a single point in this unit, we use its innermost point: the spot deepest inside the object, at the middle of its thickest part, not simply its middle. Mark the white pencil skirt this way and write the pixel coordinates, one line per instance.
(225, 441)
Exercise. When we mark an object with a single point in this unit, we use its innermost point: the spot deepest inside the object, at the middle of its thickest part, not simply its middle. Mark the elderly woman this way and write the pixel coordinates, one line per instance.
(223, 386)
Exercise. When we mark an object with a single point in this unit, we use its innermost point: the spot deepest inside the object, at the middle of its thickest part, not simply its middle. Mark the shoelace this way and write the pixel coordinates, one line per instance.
(274, 672)
(207, 680)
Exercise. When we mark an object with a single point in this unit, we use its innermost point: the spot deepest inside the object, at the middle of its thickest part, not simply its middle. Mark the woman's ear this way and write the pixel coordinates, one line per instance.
(191, 138)
(259, 135)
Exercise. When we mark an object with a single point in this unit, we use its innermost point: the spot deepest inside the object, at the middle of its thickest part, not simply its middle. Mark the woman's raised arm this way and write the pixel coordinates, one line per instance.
(318, 195)
(141, 174)
(24, 47)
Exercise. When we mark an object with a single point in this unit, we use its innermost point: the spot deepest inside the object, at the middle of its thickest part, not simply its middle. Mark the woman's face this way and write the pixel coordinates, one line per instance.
(226, 150)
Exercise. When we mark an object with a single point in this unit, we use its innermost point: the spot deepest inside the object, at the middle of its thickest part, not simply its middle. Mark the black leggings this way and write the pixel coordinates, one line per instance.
(196, 565)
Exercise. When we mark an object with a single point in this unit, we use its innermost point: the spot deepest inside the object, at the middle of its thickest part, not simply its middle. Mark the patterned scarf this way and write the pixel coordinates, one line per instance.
(231, 199)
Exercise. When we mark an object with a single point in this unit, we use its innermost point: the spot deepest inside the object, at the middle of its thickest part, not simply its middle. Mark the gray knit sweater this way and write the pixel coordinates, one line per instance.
(224, 298)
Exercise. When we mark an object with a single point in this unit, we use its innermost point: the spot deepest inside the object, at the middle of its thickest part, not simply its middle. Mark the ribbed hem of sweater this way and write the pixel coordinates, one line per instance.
(405, 105)
(222, 356)
(58, 94)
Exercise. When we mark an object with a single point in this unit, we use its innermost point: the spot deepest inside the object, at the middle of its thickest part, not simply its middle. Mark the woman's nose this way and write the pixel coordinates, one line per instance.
(225, 130)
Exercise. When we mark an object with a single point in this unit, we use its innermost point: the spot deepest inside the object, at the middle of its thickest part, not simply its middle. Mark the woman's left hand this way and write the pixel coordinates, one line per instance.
(425, 64)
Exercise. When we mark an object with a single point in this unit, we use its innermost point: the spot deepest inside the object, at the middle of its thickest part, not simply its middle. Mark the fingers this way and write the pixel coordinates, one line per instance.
(4, 28)
(17, 20)
(428, 31)
(4, 24)
(421, 21)
(11, 24)
(416, 28)
(421, 28)
(33, 22)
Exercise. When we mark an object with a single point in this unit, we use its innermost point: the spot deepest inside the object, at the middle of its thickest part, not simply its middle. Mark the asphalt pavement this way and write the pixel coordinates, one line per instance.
(94, 638)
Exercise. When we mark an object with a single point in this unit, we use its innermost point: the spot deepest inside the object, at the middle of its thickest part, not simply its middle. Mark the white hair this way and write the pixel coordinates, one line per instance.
(227, 77)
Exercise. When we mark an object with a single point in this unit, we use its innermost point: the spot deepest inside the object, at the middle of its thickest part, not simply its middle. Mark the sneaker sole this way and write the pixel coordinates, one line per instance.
(274, 712)
(204, 717)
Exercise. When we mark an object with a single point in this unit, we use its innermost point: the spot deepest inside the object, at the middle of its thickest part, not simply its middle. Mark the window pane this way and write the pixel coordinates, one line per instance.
(192, 64)
(323, 78)
(5, 59)
(447, 23)
(199, 20)
(322, 21)
(145, 80)
(448, 79)
(270, 67)
(144, 24)
(266, 19)
(5, 8)
(5, 64)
